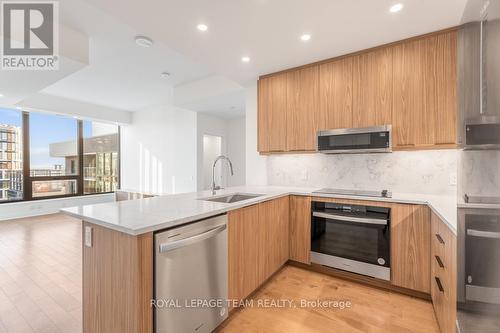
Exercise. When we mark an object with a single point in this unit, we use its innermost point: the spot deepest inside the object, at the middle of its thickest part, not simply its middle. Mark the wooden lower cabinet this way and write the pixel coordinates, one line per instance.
(443, 274)
(257, 245)
(300, 229)
(117, 282)
(410, 247)
(273, 232)
(243, 251)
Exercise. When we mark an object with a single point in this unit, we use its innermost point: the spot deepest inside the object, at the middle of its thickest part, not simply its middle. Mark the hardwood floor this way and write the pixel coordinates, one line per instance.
(40, 290)
(40, 275)
(373, 310)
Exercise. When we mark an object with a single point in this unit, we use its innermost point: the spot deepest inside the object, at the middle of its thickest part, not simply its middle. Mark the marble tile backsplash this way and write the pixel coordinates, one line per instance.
(426, 172)
(479, 172)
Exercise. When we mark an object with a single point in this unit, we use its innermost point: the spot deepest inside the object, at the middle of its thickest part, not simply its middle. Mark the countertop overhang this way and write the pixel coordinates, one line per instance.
(136, 217)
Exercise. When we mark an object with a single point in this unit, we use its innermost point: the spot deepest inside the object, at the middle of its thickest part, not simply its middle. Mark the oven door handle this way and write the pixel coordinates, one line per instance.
(350, 218)
(484, 234)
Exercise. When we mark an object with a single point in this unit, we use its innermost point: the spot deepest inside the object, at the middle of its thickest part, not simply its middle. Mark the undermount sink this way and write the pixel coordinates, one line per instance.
(230, 198)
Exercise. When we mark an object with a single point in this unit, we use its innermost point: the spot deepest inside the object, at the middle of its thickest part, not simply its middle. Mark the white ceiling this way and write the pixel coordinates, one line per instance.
(268, 30)
(215, 95)
(121, 74)
(16, 85)
(228, 105)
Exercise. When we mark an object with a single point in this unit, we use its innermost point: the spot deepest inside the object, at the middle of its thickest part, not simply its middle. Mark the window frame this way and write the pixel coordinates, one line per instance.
(28, 179)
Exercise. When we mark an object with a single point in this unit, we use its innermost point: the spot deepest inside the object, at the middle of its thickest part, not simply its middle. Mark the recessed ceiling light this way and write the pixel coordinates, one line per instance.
(245, 59)
(305, 37)
(165, 74)
(396, 8)
(202, 27)
(1, 95)
(143, 41)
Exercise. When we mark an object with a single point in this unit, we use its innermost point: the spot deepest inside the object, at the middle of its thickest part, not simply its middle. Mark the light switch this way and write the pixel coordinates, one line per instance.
(88, 236)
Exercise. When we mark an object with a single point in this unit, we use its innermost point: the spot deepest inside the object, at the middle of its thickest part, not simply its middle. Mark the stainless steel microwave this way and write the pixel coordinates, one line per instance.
(482, 133)
(376, 139)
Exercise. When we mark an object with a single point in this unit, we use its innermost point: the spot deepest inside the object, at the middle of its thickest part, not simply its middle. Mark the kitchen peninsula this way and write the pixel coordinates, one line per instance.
(119, 251)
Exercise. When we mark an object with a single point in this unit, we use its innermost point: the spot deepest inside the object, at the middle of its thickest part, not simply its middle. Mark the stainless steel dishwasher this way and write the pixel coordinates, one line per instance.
(191, 277)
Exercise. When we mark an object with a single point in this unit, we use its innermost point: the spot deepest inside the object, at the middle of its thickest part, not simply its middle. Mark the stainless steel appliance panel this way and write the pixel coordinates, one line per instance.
(377, 139)
(191, 266)
(352, 192)
(352, 238)
(478, 242)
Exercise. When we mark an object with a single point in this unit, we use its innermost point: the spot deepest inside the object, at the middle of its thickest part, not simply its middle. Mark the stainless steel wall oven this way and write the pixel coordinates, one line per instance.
(352, 238)
(478, 279)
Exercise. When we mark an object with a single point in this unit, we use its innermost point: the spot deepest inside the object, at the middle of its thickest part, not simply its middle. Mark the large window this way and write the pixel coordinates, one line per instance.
(100, 157)
(63, 156)
(53, 153)
(11, 156)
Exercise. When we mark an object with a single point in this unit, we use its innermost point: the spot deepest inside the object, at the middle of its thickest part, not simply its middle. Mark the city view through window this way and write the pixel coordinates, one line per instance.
(54, 168)
(11, 163)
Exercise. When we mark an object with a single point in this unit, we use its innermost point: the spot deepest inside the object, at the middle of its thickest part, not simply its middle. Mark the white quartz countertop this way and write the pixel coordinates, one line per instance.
(140, 216)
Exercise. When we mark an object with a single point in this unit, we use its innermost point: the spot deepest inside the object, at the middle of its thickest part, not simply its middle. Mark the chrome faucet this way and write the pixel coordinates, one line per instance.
(221, 157)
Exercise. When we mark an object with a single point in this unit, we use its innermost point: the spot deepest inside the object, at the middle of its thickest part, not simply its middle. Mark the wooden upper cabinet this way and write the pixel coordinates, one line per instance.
(372, 88)
(271, 116)
(411, 84)
(262, 111)
(303, 118)
(335, 92)
(444, 74)
(424, 100)
(409, 95)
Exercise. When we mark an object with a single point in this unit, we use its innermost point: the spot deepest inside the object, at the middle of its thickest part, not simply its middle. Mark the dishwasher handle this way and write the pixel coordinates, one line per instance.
(166, 247)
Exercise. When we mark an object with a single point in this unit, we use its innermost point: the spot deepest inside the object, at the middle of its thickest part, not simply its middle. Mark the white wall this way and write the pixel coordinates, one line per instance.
(210, 125)
(185, 151)
(158, 151)
(256, 165)
(236, 137)
(233, 145)
(212, 147)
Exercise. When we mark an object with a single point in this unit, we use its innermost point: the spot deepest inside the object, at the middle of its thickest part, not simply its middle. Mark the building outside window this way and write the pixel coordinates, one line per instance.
(100, 157)
(11, 163)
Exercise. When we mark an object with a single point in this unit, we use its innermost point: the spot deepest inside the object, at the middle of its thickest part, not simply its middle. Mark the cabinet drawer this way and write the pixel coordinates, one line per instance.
(443, 274)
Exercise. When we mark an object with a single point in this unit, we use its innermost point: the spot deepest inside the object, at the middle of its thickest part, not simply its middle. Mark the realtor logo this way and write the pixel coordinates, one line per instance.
(30, 35)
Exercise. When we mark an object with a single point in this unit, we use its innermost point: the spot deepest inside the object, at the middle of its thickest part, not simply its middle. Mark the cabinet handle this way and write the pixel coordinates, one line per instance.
(484, 234)
(439, 261)
(440, 286)
(439, 238)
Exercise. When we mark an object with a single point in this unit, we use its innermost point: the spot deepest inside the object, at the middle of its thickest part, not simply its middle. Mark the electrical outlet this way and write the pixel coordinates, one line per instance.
(453, 179)
(88, 236)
